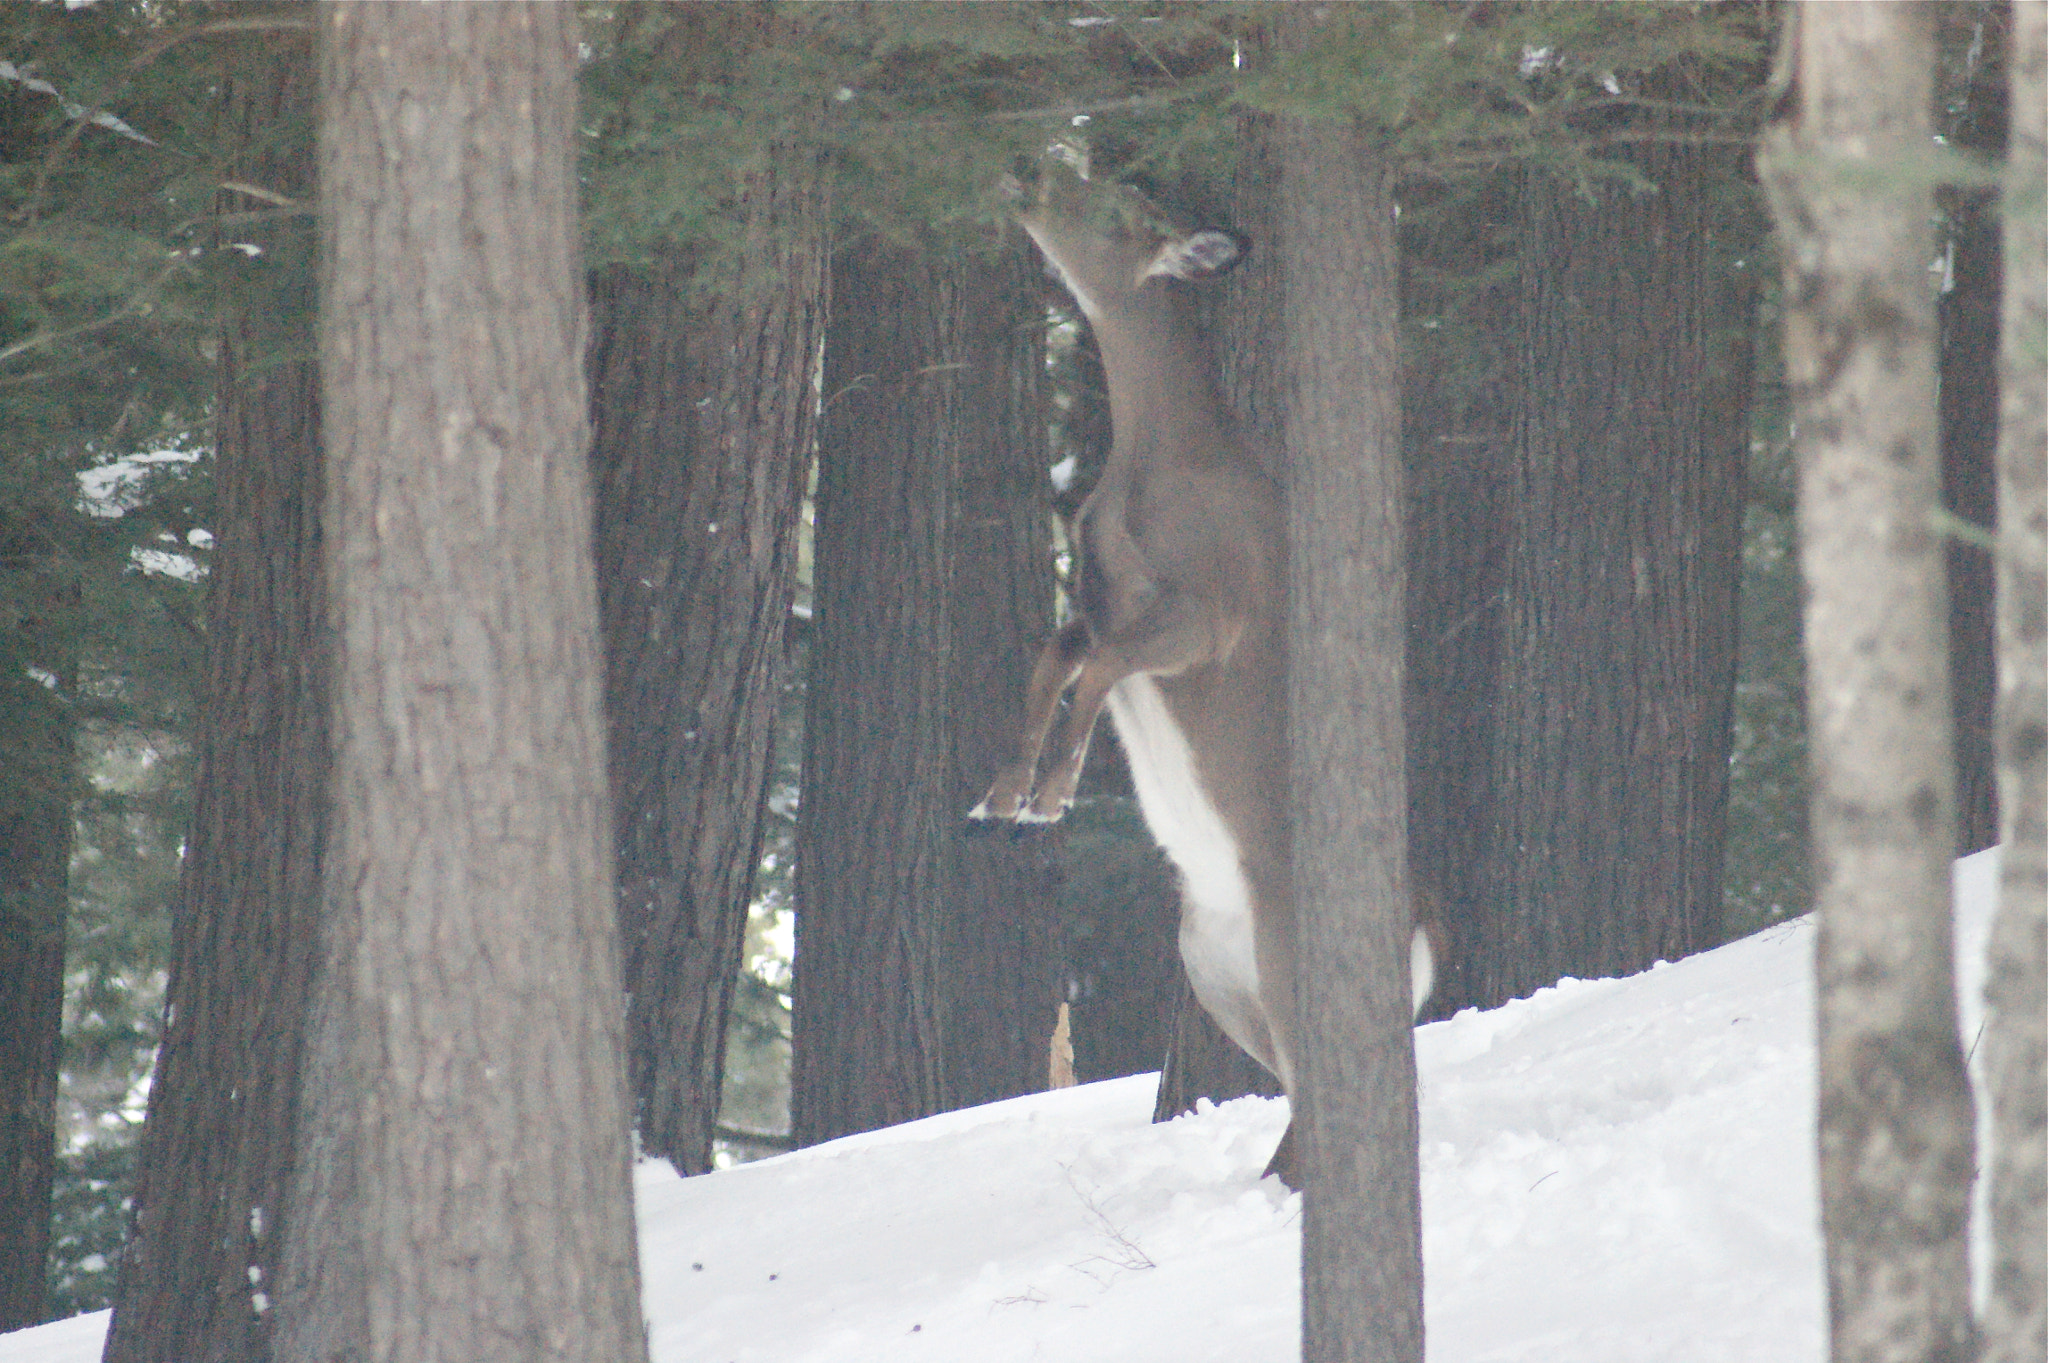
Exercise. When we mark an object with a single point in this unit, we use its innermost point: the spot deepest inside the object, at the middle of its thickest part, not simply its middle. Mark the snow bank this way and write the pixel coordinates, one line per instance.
(1612, 1171)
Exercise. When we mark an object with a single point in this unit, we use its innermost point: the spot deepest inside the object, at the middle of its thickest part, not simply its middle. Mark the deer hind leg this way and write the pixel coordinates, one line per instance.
(1057, 666)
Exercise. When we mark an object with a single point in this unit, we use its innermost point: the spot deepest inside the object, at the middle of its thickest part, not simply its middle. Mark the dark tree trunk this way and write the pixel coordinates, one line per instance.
(924, 970)
(208, 1218)
(37, 752)
(1000, 983)
(1458, 410)
(702, 409)
(2015, 1319)
(1201, 1062)
(1895, 1121)
(462, 1187)
(1617, 644)
(1339, 393)
(1969, 435)
(865, 1046)
(1121, 925)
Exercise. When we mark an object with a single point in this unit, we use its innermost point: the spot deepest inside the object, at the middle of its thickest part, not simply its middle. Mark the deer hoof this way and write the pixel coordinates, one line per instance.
(1002, 803)
(1033, 814)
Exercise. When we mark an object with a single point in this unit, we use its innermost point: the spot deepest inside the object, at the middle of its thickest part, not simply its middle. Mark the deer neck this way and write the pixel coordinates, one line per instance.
(1162, 391)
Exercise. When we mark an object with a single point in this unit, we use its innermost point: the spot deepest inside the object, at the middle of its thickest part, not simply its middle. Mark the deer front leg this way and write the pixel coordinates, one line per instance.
(1057, 666)
(1053, 794)
(1175, 633)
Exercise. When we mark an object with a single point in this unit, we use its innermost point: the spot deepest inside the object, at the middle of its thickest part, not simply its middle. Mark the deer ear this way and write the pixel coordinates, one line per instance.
(1199, 255)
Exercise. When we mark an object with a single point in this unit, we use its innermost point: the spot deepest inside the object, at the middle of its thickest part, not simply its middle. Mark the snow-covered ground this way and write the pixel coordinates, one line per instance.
(1612, 1171)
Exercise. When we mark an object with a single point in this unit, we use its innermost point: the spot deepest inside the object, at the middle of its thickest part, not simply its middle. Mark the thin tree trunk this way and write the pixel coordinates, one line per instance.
(703, 412)
(1895, 1116)
(39, 754)
(216, 1150)
(2015, 1320)
(1969, 320)
(1357, 1118)
(463, 1187)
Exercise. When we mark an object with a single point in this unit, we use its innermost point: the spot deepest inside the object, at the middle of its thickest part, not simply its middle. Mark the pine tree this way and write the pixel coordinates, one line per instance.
(464, 1100)
(1340, 408)
(702, 364)
(208, 1220)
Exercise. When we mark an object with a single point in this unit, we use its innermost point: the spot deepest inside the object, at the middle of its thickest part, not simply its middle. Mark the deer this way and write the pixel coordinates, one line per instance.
(1179, 622)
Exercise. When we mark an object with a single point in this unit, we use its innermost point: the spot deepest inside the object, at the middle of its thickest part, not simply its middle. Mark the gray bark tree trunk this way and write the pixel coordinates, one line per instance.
(1895, 1110)
(462, 1185)
(1458, 398)
(1341, 411)
(1002, 954)
(2015, 1320)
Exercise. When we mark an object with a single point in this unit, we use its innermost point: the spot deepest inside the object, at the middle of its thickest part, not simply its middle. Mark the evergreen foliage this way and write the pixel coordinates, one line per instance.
(104, 356)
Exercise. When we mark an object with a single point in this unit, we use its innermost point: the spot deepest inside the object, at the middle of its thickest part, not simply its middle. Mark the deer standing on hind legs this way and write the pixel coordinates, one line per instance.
(1181, 618)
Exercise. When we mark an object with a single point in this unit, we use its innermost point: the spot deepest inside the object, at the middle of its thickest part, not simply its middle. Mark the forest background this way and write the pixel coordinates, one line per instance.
(782, 203)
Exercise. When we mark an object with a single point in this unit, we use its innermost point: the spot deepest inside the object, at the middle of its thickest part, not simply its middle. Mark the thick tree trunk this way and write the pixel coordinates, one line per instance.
(1617, 646)
(1458, 412)
(208, 1215)
(2015, 1321)
(924, 970)
(1340, 400)
(1895, 1117)
(37, 751)
(1000, 983)
(703, 412)
(462, 1187)
(865, 1050)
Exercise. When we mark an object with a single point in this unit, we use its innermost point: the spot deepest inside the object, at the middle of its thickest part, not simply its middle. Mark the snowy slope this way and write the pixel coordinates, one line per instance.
(1613, 1171)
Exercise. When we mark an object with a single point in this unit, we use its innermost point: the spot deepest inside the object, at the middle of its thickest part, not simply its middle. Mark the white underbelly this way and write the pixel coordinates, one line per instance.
(1216, 938)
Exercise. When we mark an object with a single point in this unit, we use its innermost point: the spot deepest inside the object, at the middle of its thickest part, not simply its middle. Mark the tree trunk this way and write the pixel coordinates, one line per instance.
(1000, 982)
(462, 1188)
(703, 410)
(208, 1214)
(1458, 412)
(1895, 1118)
(1969, 434)
(2015, 1321)
(1201, 1062)
(1617, 650)
(864, 1047)
(924, 970)
(37, 752)
(1340, 400)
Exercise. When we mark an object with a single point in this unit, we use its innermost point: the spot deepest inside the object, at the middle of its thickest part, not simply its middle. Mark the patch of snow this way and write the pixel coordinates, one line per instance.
(1612, 1171)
